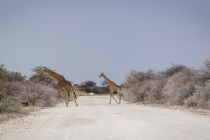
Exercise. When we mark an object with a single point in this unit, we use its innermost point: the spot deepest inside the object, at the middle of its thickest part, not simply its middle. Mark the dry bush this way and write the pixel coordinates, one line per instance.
(139, 77)
(174, 69)
(201, 98)
(16, 92)
(177, 85)
(38, 94)
(174, 85)
(181, 86)
(9, 89)
(205, 71)
(136, 85)
(155, 94)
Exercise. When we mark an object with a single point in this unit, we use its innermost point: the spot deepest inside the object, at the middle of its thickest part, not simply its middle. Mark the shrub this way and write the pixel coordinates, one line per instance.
(87, 86)
(39, 77)
(155, 94)
(181, 86)
(9, 96)
(205, 71)
(174, 69)
(15, 91)
(38, 94)
(137, 85)
(137, 77)
(201, 97)
(10, 76)
(173, 86)
(103, 90)
(9, 89)
(10, 104)
(15, 76)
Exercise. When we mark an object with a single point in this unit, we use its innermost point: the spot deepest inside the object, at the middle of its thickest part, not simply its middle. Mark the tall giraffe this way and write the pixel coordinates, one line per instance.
(63, 85)
(112, 87)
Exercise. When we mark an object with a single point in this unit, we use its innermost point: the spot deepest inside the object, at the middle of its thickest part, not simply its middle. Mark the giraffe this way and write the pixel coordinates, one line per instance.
(63, 85)
(113, 87)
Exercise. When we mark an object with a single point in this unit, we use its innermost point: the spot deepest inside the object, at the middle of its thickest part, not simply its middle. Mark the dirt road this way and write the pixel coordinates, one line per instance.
(95, 119)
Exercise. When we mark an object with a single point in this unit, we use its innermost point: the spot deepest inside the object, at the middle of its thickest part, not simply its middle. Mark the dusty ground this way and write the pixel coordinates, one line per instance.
(95, 119)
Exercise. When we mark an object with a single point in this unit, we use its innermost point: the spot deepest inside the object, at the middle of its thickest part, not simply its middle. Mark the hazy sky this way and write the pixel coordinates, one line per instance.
(82, 38)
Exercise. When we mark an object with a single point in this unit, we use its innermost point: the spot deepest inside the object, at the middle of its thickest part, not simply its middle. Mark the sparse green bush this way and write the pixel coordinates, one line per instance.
(39, 77)
(10, 76)
(10, 88)
(15, 76)
(10, 104)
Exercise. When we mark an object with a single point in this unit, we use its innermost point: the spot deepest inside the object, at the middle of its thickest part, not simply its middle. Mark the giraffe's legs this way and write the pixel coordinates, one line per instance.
(69, 97)
(65, 92)
(115, 99)
(75, 99)
(58, 92)
(74, 96)
(110, 97)
(119, 98)
(119, 93)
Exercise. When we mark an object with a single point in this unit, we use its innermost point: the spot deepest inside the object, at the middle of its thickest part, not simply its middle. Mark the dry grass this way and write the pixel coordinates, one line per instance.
(80, 93)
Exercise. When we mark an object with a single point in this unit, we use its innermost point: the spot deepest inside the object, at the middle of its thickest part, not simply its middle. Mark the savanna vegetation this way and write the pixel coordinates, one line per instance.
(91, 87)
(177, 85)
(17, 91)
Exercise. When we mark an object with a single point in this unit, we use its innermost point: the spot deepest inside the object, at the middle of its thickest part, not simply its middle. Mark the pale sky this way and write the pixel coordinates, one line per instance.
(82, 38)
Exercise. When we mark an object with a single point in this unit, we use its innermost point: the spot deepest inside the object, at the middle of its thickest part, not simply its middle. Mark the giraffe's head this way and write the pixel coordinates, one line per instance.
(44, 70)
(101, 75)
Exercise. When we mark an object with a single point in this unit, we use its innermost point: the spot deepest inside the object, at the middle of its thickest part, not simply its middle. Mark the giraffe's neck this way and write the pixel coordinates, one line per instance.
(55, 75)
(107, 80)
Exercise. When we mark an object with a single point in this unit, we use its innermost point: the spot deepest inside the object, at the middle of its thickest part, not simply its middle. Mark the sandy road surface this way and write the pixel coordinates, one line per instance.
(95, 119)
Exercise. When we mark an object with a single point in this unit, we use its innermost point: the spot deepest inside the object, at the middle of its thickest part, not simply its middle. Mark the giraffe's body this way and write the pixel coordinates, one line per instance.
(63, 85)
(113, 88)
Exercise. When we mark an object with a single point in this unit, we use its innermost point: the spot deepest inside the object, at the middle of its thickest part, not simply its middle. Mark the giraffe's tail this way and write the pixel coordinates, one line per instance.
(122, 95)
(75, 95)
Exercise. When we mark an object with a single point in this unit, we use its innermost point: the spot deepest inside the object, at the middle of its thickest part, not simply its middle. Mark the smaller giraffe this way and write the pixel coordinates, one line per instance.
(63, 85)
(113, 88)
